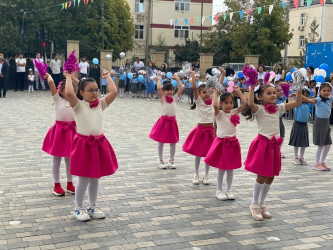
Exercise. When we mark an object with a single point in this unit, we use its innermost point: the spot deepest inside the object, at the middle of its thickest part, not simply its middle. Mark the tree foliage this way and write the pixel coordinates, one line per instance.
(187, 52)
(262, 34)
(43, 22)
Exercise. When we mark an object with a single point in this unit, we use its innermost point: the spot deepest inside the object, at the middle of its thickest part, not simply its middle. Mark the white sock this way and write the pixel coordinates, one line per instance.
(197, 160)
(263, 193)
(172, 151)
(68, 169)
(318, 153)
(206, 169)
(324, 153)
(256, 192)
(56, 169)
(92, 191)
(160, 150)
(220, 174)
(302, 151)
(230, 175)
(80, 191)
(295, 152)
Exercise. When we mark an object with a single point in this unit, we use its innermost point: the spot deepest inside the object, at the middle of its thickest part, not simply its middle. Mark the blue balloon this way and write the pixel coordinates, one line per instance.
(320, 79)
(289, 78)
(323, 66)
(141, 78)
(169, 75)
(130, 76)
(95, 61)
(174, 83)
(311, 93)
(315, 78)
(240, 75)
(292, 70)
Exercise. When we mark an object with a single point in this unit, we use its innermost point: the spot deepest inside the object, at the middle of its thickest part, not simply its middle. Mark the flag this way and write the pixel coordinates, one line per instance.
(308, 3)
(70, 4)
(66, 4)
(74, 2)
(241, 14)
(210, 19)
(216, 17)
(231, 14)
(186, 21)
(225, 15)
(63, 6)
(283, 5)
(259, 10)
(249, 12)
(203, 20)
(198, 20)
(270, 9)
(296, 4)
(322, 2)
(171, 22)
(192, 20)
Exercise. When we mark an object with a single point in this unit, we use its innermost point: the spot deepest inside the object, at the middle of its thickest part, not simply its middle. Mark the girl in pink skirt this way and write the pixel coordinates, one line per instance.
(202, 136)
(165, 130)
(58, 140)
(225, 153)
(264, 156)
(92, 156)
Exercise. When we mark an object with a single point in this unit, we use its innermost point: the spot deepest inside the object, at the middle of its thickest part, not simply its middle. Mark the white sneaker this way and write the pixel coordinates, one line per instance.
(29, 90)
(162, 165)
(297, 161)
(221, 196)
(230, 195)
(172, 165)
(303, 162)
(205, 180)
(196, 180)
(81, 215)
(95, 212)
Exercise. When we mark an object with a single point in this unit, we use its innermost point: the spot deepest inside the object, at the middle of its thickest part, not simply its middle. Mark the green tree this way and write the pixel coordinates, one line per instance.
(187, 52)
(263, 34)
(76, 23)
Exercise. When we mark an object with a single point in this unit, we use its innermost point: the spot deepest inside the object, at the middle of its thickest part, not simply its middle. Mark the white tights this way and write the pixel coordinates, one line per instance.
(220, 174)
(321, 153)
(172, 151)
(81, 187)
(121, 91)
(197, 164)
(56, 169)
(301, 152)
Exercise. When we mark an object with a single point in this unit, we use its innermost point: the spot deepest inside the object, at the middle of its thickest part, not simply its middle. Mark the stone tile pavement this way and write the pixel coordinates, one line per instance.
(147, 207)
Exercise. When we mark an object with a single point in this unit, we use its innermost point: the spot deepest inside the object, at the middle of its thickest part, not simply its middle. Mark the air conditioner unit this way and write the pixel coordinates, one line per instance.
(301, 28)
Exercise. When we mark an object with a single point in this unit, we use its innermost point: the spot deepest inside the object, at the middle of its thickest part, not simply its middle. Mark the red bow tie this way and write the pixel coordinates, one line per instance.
(270, 108)
(94, 104)
(208, 102)
(168, 99)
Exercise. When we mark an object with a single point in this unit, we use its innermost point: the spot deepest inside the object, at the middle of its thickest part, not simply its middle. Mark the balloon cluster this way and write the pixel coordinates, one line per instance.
(320, 73)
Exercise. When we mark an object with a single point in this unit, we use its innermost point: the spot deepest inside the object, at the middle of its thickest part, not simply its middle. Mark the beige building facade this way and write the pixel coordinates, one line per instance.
(158, 29)
(300, 20)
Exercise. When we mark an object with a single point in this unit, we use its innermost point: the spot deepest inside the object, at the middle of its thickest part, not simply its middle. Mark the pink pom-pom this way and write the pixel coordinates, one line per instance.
(41, 68)
(285, 89)
(266, 78)
(252, 74)
(234, 119)
(71, 64)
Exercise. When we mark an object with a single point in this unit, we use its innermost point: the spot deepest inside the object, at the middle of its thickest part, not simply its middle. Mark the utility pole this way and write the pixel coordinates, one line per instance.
(286, 19)
(148, 31)
(22, 34)
(102, 23)
(201, 26)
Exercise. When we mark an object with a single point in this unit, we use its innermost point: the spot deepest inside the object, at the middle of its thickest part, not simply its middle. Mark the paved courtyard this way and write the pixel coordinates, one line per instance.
(147, 207)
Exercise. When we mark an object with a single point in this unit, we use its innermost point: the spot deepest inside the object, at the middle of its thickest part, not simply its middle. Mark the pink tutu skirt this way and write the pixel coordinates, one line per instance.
(264, 156)
(59, 138)
(199, 141)
(92, 156)
(224, 154)
(165, 130)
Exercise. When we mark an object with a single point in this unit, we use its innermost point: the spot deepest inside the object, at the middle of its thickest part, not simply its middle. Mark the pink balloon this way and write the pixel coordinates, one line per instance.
(230, 89)
(231, 84)
(272, 74)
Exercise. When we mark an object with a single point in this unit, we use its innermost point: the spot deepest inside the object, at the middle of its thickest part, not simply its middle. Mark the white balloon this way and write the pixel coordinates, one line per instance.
(216, 72)
(122, 55)
(251, 66)
(303, 71)
(321, 72)
(108, 57)
(315, 71)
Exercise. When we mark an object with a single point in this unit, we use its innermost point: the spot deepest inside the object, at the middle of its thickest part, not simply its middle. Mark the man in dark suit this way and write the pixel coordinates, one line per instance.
(3, 76)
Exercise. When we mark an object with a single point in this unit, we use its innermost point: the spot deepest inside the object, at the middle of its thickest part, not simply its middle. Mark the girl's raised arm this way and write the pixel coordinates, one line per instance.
(109, 98)
(69, 90)
(194, 86)
(309, 100)
(242, 97)
(223, 72)
(297, 102)
(159, 87)
(180, 87)
(254, 107)
(51, 84)
(215, 102)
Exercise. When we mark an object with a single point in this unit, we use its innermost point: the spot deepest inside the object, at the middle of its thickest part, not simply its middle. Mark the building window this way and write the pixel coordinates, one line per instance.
(139, 31)
(301, 41)
(139, 6)
(303, 19)
(182, 5)
(302, 3)
(182, 31)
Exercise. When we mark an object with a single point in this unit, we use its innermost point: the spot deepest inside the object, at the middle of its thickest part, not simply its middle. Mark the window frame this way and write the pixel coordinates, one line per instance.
(139, 31)
(301, 42)
(182, 5)
(137, 3)
(303, 19)
(303, 3)
(181, 31)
